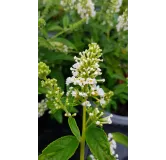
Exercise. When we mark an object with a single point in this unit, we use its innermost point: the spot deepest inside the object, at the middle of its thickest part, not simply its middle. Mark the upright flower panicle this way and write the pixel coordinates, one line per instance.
(123, 22)
(84, 77)
(116, 4)
(108, 9)
(85, 8)
(68, 4)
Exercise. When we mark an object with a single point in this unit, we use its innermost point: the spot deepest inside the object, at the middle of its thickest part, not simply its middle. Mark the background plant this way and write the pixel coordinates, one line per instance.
(63, 32)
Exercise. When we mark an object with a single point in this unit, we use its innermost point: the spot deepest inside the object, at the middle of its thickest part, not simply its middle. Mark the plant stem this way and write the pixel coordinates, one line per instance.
(82, 143)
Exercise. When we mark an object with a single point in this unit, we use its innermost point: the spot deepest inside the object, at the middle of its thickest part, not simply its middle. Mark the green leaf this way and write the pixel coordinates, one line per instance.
(58, 116)
(65, 42)
(54, 27)
(120, 138)
(65, 21)
(42, 42)
(62, 148)
(57, 74)
(98, 143)
(117, 76)
(74, 128)
(54, 56)
(41, 157)
(121, 88)
(77, 24)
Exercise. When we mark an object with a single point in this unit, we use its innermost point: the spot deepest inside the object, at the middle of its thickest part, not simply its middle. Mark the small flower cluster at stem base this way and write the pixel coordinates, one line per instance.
(113, 146)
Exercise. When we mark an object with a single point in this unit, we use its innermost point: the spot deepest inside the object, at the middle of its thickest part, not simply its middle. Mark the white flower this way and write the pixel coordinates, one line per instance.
(69, 80)
(98, 122)
(106, 120)
(113, 143)
(67, 114)
(86, 104)
(100, 91)
(91, 114)
(109, 136)
(96, 111)
(91, 81)
(82, 94)
(92, 157)
(112, 150)
(116, 156)
(74, 93)
(74, 73)
(102, 101)
(76, 65)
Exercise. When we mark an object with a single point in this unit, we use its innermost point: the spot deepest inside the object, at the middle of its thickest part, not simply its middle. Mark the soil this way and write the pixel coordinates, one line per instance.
(122, 110)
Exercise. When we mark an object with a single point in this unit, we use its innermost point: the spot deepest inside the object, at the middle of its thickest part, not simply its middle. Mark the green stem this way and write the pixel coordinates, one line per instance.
(82, 143)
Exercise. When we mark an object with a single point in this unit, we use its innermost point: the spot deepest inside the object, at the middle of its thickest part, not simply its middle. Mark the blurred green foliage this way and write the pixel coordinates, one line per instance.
(63, 34)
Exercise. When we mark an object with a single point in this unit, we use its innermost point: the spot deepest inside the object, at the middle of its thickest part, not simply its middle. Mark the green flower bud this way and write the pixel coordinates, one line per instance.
(43, 70)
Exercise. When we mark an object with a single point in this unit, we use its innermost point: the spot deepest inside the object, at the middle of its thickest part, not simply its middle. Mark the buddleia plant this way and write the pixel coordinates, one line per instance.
(83, 90)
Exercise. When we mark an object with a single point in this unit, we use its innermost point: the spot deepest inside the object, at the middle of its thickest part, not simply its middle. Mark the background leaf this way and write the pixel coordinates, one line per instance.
(65, 21)
(58, 75)
(62, 148)
(74, 128)
(65, 42)
(120, 138)
(55, 56)
(54, 27)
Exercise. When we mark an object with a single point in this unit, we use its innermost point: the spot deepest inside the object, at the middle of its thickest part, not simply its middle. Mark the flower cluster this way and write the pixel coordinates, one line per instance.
(42, 107)
(116, 4)
(123, 21)
(84, 72)
(43, 70)
(97, 117)
(112, 146)
(108, 9)
(85, 8)
(54, 93)
(68, 4)
(60, 46)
